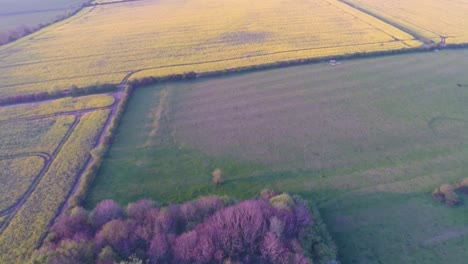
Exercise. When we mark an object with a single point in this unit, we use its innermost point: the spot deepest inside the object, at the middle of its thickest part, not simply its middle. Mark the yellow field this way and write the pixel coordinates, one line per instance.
(67, 104)
(104, 43)
(33, 136)
(16, 175)
(44, 147)
(431, 18)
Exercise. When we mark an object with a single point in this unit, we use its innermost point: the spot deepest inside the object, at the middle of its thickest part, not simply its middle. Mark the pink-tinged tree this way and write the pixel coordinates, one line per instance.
(238, 229)
(303, 217)
(160, 249)
(138, 210)
(74, 226)
(119, 234)
(300, 259)
(104, 212)
(272, 250)
(185, 247)
(68, 251)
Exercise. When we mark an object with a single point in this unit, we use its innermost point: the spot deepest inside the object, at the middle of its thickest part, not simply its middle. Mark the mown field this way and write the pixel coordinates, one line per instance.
(431, 19)
(32, 12)
(367, 140)
(187, 36)
(44, 148)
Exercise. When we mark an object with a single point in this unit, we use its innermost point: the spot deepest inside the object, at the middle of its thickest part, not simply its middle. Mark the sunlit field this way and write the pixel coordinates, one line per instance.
(165, 37)
(44, 148)
(432, 19)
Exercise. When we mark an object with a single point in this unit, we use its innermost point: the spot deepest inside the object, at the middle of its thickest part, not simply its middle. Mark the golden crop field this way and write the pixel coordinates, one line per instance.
(161, 37)
(33, 136)
(45, 146)
(432, 18)
(16, 175)
(62, 105)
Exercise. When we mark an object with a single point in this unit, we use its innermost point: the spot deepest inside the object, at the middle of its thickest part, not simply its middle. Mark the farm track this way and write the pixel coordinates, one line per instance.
(413, 33)
(39, 117)
(115, 2)
(125, 79)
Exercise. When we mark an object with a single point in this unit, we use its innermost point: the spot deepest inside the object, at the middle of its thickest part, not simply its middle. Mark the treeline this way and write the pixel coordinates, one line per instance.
(145, 81)
(22, 31)
(99, 152)
(72, 91)
(273, 228)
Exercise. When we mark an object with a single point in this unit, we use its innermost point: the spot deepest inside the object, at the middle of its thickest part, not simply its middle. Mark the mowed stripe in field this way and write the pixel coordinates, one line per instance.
(163, 37)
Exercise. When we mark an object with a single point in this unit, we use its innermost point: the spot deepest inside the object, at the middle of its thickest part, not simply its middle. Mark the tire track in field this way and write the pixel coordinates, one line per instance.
(12, 211)
(65, 113)
(44, 156)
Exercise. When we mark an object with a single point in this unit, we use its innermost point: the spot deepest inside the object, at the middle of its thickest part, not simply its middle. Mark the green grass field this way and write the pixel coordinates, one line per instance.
(366, 140)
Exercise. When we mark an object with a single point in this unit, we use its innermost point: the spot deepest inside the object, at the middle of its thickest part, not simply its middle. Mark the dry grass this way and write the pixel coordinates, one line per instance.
(431, 18)
(187, 35)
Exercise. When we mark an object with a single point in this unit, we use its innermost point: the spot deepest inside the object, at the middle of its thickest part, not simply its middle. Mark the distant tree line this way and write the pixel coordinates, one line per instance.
(150, 80)
(13, 34)
(273, 228)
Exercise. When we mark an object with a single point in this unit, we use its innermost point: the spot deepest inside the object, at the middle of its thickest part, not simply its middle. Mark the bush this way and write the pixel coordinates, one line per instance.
(446, 194)
(463, 186)
(217, 177)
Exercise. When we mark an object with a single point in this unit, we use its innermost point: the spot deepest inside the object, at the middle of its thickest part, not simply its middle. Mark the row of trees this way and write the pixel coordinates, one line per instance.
(274, 228)
(73, 90)
(13, 34)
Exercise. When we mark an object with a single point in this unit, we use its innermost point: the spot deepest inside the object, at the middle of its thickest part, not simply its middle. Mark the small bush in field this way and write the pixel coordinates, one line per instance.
(446, 194)
(463, 186)
(218, 177)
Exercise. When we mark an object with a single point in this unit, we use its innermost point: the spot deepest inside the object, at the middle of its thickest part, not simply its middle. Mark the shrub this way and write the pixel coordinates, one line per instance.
(446, 194)
(104, 212)
(463, 186)
(282, 201)
(218, 177)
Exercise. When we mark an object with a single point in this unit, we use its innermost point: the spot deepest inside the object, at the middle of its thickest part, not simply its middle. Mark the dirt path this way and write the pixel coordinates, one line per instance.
(65, 113)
